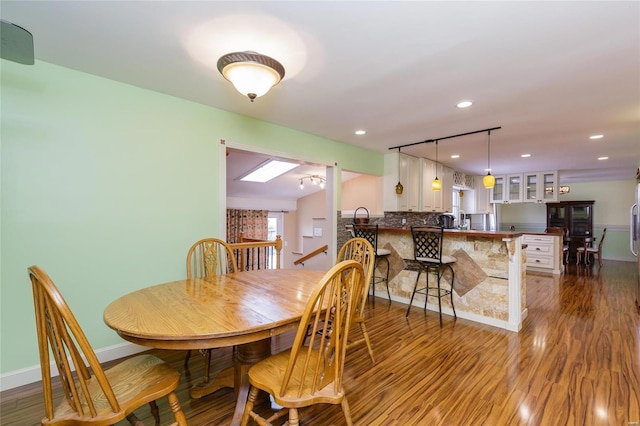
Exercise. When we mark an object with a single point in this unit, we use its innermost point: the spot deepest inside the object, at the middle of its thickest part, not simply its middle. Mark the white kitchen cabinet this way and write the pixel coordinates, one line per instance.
(481, 197)
(497, 193)
(447, 189)
(431, 200)
(410, 173)
(540, 187)
(514, 188)
(544, 252)
(507, 189)
(436, 201)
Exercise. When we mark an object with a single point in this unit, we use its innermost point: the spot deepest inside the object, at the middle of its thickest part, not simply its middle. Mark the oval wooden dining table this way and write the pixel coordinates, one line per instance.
(242, 309)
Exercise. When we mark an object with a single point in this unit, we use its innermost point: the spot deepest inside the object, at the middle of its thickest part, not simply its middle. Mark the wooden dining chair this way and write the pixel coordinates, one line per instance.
(587, 249)
(360, 250)
(93, 395)
(312, 373)
(208, 257)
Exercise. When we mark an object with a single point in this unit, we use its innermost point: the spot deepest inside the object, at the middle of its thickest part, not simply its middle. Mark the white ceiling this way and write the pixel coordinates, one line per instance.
(549, 73)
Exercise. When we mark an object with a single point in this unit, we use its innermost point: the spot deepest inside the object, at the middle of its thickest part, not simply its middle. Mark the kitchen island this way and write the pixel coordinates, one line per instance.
(490, 280)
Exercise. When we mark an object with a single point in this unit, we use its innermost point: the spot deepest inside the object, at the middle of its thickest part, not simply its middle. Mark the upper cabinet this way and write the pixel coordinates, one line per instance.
(541, 187)
(514, 188)
(532, 187)
(416, 174)
(407, 170)
(441, 200)
(481, 197)
(497, 193)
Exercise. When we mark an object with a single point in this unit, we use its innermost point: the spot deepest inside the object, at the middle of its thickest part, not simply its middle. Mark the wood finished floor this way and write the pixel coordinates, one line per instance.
(575, 362)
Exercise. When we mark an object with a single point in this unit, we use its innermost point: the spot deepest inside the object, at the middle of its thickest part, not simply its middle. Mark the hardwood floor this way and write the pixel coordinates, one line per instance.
(575, 362)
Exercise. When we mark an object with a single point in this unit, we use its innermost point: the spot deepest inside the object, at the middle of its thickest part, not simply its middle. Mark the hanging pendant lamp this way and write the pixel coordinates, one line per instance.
(436, 185)
(399, 187)
(489, 181)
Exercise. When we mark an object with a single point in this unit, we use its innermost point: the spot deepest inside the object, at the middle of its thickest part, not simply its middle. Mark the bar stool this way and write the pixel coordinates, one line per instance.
(427, 251)
(370, 233)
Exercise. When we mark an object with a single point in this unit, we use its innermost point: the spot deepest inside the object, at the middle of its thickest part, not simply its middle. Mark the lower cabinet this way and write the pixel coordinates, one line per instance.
(544, 252)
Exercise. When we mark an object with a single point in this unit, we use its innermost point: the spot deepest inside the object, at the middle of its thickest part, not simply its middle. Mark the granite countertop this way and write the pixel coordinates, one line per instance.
(461, 232)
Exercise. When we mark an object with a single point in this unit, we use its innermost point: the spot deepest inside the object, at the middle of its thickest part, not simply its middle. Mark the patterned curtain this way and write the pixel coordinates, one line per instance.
(252, 222)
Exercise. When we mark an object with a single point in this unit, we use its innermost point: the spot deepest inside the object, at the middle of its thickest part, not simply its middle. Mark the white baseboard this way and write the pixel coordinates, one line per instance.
(25, 376)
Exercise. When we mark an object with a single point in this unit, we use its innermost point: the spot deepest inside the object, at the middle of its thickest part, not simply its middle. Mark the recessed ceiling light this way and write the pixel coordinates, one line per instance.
(525, 155)
(360, 132)
(455, 156)
(487, 170)
(464, 104)
(603, 158)
(596, 136)
(268, 170)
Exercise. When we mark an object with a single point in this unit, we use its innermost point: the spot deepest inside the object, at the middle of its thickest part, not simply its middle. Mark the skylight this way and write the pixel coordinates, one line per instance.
(268, 170)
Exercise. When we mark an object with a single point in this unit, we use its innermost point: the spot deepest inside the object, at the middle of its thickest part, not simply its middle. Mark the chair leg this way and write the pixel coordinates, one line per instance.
(373, 283)
(155, 412)
(248, 407)
(294, 419)
(367, 341)
(439, 298)
(346, 411)
(176, 409)
(386, 278)
(453, 275)
(415, 286)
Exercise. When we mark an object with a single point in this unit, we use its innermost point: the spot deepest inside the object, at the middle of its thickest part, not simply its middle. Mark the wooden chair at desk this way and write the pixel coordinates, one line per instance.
(207, 257)
(93, 395)
(360, 250)
(312, 373)
(588, 249)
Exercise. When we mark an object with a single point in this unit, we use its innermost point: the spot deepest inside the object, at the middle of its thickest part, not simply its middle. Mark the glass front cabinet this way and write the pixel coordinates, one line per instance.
(540, 187)
(577, 216)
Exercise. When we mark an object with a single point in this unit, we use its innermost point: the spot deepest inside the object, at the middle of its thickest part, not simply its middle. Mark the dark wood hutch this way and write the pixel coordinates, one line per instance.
(576, 216)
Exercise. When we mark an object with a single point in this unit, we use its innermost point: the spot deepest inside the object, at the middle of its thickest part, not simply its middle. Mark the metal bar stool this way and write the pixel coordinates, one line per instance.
(370, 233)
(427, 251)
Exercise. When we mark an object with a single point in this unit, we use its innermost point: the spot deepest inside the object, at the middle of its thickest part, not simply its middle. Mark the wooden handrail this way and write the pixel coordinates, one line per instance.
(248, 245)
(316, 252)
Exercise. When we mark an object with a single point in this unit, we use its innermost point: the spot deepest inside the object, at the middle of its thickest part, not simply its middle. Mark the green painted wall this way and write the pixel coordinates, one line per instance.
(106, 185)
(611, 210)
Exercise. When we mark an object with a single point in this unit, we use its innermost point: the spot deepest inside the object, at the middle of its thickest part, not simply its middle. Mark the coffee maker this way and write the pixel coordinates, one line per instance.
(446, 221)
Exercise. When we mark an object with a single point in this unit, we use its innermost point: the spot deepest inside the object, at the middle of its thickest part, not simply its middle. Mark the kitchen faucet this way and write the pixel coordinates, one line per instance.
(463, 216)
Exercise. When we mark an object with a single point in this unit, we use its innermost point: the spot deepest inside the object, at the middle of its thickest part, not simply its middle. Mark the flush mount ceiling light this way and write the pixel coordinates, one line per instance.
(251, 73)
(464, 104)
(314, 179)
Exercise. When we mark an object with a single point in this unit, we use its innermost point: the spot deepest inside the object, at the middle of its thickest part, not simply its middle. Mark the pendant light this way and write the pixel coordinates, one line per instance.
(436, 185)
(489, 181)
(399, 187)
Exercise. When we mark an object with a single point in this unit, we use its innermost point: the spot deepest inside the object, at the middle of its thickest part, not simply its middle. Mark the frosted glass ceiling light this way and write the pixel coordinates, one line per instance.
(251, 73)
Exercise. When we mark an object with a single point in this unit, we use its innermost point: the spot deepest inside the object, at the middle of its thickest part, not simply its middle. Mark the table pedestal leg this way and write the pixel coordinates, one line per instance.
(246, 356)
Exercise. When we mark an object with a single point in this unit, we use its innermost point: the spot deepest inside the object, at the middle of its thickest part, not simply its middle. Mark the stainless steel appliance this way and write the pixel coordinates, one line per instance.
(634, 238)
(446, 221)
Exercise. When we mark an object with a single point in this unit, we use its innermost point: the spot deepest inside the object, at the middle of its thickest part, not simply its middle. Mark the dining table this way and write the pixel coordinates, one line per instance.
(242, 309)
